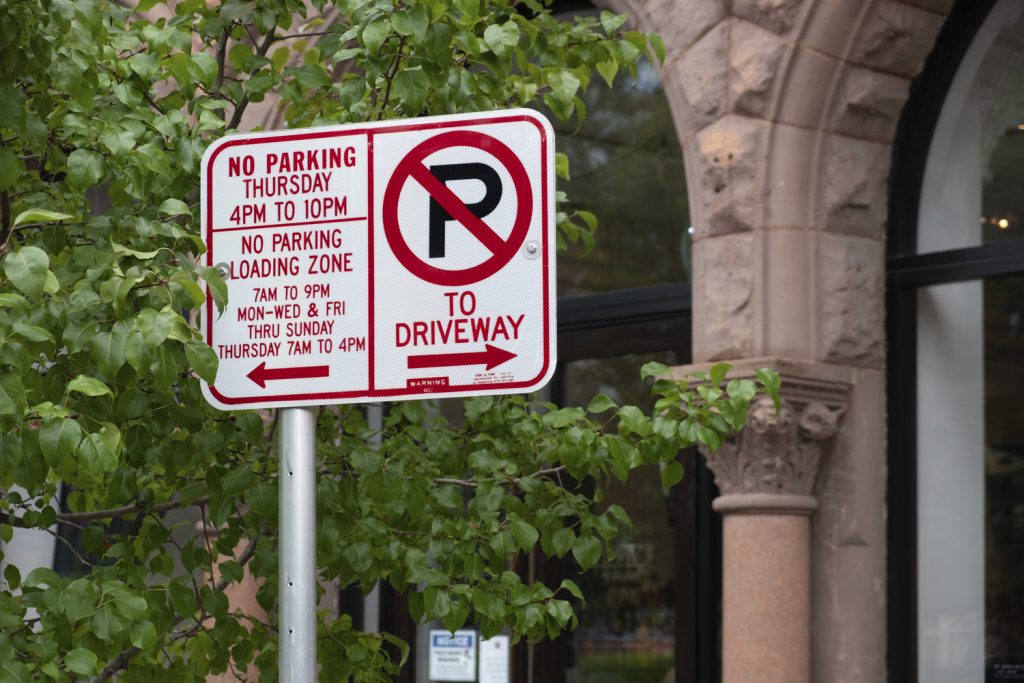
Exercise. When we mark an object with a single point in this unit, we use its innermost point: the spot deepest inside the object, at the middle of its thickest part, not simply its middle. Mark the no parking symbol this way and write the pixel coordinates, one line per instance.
(445, 206)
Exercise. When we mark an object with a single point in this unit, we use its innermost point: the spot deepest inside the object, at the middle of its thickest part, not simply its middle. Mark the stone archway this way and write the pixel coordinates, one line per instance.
(787, 110)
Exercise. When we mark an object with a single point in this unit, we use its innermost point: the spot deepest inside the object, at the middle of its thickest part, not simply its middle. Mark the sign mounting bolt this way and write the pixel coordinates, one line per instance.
(531, 249)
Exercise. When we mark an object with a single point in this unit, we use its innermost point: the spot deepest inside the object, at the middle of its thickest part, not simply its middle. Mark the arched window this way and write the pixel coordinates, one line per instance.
(956, 326)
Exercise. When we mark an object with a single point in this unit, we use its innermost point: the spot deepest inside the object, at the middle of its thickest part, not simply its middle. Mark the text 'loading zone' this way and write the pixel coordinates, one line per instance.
(384, 261)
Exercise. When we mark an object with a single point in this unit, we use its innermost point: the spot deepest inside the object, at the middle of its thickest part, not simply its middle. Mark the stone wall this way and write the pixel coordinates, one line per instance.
(787, 111)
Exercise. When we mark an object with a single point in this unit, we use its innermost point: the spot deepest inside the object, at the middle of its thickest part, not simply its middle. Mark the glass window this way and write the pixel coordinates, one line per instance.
(971, 481)
(627, 626)
(626, 166)
(971, 190)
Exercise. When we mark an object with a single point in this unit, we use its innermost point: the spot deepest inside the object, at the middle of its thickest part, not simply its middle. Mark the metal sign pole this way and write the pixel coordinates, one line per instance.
(297, 516)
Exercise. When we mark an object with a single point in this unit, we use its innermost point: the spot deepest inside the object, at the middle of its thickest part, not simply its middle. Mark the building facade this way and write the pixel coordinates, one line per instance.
(849, 169)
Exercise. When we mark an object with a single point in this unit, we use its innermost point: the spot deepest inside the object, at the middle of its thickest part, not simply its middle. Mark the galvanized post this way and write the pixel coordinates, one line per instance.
(297, 517)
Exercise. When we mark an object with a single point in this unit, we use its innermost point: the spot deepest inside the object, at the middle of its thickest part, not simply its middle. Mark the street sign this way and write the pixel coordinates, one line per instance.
(383, 261)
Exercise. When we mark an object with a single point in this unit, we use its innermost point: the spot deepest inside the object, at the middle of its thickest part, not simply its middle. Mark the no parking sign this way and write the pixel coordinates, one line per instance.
(382, 261)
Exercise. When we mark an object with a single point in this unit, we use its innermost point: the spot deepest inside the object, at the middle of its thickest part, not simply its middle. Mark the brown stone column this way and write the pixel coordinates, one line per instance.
(766, 617)
(766, 477)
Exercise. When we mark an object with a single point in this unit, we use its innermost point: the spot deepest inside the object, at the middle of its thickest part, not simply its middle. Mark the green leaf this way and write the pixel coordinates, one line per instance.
(89, 386)
(718, 372)
(562, 165)
(174, 207)
(107, 349)
(608, 71)
(41, 576)
(32, 332)
(653, 369)
(574, 590)
(562, 417)
(600, 404)
(106, 624)
(411, 88)
(203, 360)
(231, 570)
(12, 395)
(128, 251)
(587, 551)
(85, 168)
(502, 39)
(14, 672)
(411, 22)
(11, 168)
(612, 22)
(97, 456)
(40, 216)
(659, 47)
(143, 636)
(562, 541)
(9, 300)
(564, 85)
(671, 474)
(238, 479)
(436, 603)
(13, 576)
(129, 605)
(81, 661)
(183, 598)
(526, 535)
(633, 420)
(742, 389)
(311, 76)
(218, 287)
(374, 34)
(118, 141)
(26, 268)
(203, 68)
(58, 438)
(771, 382)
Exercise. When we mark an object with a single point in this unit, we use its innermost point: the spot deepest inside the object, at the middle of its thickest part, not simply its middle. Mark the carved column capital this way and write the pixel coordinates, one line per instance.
(772, 465)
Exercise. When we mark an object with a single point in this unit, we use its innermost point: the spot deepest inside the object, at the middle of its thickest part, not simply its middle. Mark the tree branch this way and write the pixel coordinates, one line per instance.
(222, 53)
(121, 661)
(5, 220)
(390, 77)
(76, 518)
(236, 116)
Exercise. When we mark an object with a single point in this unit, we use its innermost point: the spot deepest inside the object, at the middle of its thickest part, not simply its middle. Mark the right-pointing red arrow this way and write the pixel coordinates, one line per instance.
(491, 357)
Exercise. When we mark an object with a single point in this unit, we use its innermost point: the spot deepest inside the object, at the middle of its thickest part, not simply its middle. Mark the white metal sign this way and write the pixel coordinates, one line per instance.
(452, 656)
(494, 660)
(382, 261)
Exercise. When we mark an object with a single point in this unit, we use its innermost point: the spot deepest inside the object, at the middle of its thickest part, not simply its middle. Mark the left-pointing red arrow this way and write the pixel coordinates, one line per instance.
(261, 373)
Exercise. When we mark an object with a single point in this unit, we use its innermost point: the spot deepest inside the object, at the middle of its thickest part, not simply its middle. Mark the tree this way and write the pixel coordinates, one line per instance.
(104, 116)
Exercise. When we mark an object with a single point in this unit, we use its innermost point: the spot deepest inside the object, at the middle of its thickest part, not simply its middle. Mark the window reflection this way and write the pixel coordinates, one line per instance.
(971, 190)
(626, 632)
(971, 481)
(627, 167)
(1004, 479)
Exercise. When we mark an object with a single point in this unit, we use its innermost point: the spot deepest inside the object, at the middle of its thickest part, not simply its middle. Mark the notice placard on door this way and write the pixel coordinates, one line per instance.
(453, 656)
(494, 660)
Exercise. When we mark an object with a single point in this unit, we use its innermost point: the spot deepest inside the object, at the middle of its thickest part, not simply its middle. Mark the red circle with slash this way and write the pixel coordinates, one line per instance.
(502, 250)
